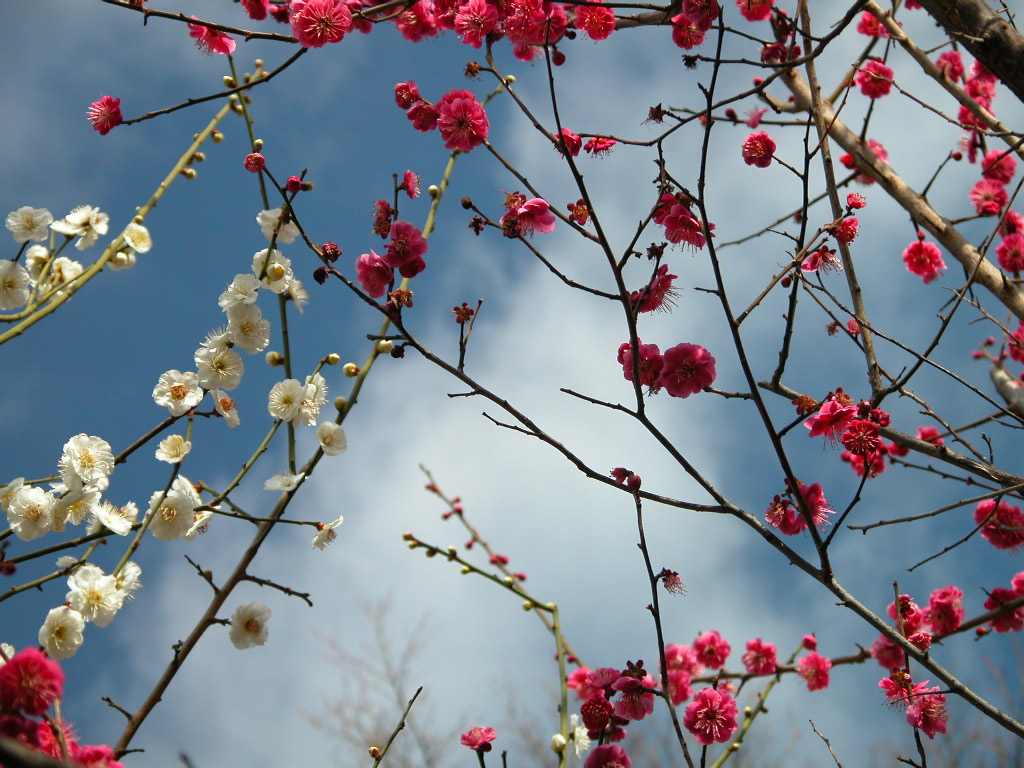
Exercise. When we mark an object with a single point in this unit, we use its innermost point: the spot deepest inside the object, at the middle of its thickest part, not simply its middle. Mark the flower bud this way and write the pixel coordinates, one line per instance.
(510, 79)
(350, 369)
(527, 605)
(216, 137)
(465, 569)
(374, 752)
(188, 173)
(433, 190)
(229, 81)
(198, 157)
(384, 346)
(257, 145)
(558, 743)
(333, 359)
(340, 403)
(274, 358)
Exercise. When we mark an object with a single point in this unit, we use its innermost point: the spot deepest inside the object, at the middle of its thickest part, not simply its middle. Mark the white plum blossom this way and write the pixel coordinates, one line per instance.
(243, 290)
(64, 270)
(332, 438)
(325, 533)
(74, 506)
(30, 513)
(94, 594)
(298, 294)
(173, 449)
(247, 328)
(283, 481)
(278, 274)
(285, 399)
(174, 516)
(199, 525)
(88, 459)
(122, 260)
(85, 221)
(179, 391)
(128, 579)
(218, 339)
(7, 491)
(61, 633)
(137, 238)
(226, 407)
(28, 223)
(268, 220)
(315, 396)
(578, 734)
(249, 625)
(6, 651)
(219, 368)
(36, 257)
(117, 520)
(14, 285)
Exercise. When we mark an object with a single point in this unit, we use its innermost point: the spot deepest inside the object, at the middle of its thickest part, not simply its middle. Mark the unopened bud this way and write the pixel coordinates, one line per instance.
(465, 569)
(527, 605)
(430, 552)
(508, 581)
(510, 79)
(412, 545)
(274, 358)
(384, 346)
(217, 137)
(188, 173)
(558, 743)
(198, 157)
(257, 145)
(258, 63)
(340, 403)
(229, 81)
(374, 752)
(433, 190)
(333, 359)
(350, 369)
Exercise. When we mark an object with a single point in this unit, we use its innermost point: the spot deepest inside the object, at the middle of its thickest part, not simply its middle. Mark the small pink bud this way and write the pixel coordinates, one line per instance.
(255, 162)
(810, 642)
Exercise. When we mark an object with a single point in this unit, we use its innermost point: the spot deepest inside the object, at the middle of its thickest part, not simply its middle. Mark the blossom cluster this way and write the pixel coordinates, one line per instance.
(45, 272)
(458, 116)
(682, 370)
(30, 684)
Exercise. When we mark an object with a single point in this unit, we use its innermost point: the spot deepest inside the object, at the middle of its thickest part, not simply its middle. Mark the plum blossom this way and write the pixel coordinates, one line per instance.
(607, 756)
(988, 197)
(249, 625)
(30, 683)
(685, 33)
(927, 712)
(758, 149)
(28, 223)
(760, 657)
(180, 392)
(30, 512)
(687, 369)
(659, 293)
(1010, 252)
(1002, 525)
(830, 420)
(461, 120)
(14, 285)
(374, 274)
(325, 533)
(210, 40)
(474, 20)
(598, 22)
(318, 22)
(924, 259)
(711, 716)
(532, 216)
(406, 249)
(478, 738)
(634, 703)
(85, 222)
(755, 10)
(61, 633)
(94, 595)
(874, 79)
(711, 649)
(814, 669)
(105, 114)
(999, 165)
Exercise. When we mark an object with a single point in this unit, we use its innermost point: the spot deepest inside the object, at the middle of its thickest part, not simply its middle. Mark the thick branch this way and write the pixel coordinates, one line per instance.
(986, 273)
(989, 37)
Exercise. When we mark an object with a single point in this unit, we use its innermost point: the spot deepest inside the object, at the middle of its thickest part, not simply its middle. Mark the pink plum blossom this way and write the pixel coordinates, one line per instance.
(760, 658)
(374, 274)
(758, 149)
(607, 756)
(211, 40)
(598, 22)
(711, 649)
(318, 22)
(461, 121)
(649, 364)
(924, 259)
(814, 669)
(478, 738)
(30, 682)
(711, 716)
(474, 20)
(105, 114)
(687, 369)
(874, 79)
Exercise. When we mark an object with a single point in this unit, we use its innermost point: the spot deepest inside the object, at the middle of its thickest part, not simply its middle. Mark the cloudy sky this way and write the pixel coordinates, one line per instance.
(91, 368)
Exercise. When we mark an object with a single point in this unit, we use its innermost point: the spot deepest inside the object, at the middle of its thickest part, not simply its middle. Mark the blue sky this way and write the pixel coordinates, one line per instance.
(91, 368)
